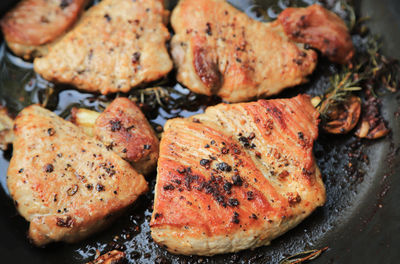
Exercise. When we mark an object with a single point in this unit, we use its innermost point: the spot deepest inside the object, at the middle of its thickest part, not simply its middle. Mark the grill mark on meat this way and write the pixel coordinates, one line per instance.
(238, 149)
(290, 134)
(222, 191)
(275, 112)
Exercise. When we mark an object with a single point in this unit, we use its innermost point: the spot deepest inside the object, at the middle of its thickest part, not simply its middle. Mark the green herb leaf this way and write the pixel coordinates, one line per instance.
(303, 257)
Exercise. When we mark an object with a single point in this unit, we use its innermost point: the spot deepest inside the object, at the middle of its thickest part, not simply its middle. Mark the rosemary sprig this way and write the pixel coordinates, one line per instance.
(369, 68)
(303, 257)
(159, 92)
(349, 10)
(171, 100)
(382, 69)
(342, 85)
(48, 92)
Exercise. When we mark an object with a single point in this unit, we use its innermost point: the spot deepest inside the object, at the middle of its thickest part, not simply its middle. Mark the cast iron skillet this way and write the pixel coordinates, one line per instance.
(360, 221)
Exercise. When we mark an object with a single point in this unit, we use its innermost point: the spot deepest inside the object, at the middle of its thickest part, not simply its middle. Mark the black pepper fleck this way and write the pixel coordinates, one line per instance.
(205, 163)
(233, 202)
(181, 170)
(250, 195)
(115, 125)
(157, 215)
(228, 186)
(237, 180)
(235, 218)
(177, 181)
(208, 29)
(51, 131)
(168, 187)
(49, 168)
(224, 167)
(224, 150)
(136, 57)
(301, 135)
(100, 187)
(107, 17)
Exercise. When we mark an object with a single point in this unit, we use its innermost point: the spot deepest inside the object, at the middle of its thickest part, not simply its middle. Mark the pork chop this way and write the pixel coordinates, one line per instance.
(123, 128)
(236, 177)
(219, 50)
(64, 183)
(32, 25)
(117, 45)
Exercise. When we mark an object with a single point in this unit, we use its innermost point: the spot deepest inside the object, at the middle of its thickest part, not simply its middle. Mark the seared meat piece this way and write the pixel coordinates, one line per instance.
(237, 176)
(220, 50)
(33, 24)
(112, 257)
(6, 128)
(117, 45)
(65, 184)
(123, 128)
(320, 29)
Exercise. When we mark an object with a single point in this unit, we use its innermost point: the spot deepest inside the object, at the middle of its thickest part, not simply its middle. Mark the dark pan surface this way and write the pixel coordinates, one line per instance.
(360, 221)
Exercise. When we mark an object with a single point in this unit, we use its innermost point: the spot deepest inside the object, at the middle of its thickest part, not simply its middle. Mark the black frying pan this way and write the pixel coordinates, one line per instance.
(360, 221)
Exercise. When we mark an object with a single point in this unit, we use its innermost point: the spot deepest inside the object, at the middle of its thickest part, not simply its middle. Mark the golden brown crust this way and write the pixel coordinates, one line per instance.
(319, 28)
(220, 50)
(117, 45)
(124, 129)
(64, 183)
(32, 24)
(206, 66)
(237, 176)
